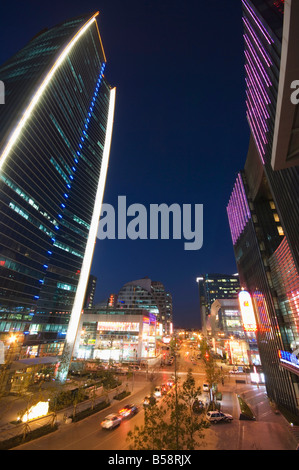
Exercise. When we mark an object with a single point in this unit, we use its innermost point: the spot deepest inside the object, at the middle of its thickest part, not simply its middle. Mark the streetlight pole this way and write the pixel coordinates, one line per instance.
(176, 403)
(173, 349)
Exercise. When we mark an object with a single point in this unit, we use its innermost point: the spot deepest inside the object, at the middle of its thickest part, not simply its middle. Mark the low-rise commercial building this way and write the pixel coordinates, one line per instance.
(115, 334)
(228, 334)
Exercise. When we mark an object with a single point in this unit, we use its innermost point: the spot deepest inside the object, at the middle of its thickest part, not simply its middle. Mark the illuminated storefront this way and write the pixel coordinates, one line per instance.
(233, 330)
(237, 351)
(149, 336)
(117, 336)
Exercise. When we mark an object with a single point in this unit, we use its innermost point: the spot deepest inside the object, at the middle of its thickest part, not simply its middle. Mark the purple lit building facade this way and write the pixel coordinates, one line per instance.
(238, 209)
(263, 209)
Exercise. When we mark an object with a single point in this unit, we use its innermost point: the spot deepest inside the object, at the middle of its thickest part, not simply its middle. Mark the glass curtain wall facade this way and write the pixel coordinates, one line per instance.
(55, 137)
(212, 287)
(90, 292)
(264, 223)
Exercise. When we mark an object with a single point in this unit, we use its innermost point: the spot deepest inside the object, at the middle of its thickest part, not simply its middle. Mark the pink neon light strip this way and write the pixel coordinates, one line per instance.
(258, 22)
(257, 61)
(254, 104)
(257, 78)
(238, 209)
(257, 93)
(250, 91)
(253, 116)
(261, 48)
(260, 149)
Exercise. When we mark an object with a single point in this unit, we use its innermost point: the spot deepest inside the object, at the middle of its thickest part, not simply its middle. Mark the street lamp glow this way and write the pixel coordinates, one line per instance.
(12, 338)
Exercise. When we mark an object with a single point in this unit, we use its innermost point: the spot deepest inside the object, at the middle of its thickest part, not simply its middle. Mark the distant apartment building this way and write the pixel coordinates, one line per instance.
(151, 296)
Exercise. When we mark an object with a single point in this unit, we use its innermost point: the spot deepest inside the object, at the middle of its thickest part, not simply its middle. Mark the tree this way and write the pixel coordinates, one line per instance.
(213, 373)
(171, 424)
(153, 434)
(186, 426)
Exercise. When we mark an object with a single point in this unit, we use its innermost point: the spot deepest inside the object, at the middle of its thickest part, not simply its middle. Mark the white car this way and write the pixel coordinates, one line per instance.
(205, 387)
(158, 392)
(217, 416)
(111, 421)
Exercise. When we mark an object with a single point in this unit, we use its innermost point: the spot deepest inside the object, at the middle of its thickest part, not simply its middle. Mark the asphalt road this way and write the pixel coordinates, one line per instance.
(268, 432)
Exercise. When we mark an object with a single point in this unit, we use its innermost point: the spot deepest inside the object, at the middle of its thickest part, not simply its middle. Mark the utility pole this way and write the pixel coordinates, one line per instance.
(176, 403)
(173, 348)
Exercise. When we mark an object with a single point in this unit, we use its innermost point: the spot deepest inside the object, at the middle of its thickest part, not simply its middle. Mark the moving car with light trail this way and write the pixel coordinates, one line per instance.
(128, 410)
(111, 421)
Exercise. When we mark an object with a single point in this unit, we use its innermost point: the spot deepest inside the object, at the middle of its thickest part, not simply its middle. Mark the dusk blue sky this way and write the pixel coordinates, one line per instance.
(180, 132)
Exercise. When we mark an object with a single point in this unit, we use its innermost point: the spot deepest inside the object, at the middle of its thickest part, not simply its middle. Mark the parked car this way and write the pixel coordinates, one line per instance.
(128, 410)
(111, 421)
(206, 387)
(217, 416)
(158, 392)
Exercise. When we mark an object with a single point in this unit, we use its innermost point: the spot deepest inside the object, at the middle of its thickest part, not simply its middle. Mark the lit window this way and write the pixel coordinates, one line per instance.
(276, 217)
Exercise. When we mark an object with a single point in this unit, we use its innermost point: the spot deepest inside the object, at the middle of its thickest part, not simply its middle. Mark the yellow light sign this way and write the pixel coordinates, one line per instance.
(247, 312)
(36, 411)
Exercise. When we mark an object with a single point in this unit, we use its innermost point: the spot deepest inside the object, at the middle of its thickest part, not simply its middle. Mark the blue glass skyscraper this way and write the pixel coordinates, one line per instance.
(55, 136)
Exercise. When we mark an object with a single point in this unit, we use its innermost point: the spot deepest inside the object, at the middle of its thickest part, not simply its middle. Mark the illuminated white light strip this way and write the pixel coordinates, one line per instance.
(41, 90)
(86, 265)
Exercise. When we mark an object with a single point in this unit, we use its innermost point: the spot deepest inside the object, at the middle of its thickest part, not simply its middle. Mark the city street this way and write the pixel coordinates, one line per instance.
(269, 432)
(148, 227)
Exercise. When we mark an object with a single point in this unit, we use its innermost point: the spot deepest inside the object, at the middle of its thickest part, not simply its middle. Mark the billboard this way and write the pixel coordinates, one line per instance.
(117, 326)
(247, 312)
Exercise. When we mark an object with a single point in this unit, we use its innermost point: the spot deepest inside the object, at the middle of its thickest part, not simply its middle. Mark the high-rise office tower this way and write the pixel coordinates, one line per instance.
(212, 287)
(90, 291)
(263, 209)
(55, 135)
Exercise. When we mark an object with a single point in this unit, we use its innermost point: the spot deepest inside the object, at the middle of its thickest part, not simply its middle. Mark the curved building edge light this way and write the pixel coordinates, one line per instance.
(87, 260)
(41, 89)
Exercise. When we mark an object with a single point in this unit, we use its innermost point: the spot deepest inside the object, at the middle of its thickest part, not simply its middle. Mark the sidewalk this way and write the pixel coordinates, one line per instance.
(257, 399)
(10, 406)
